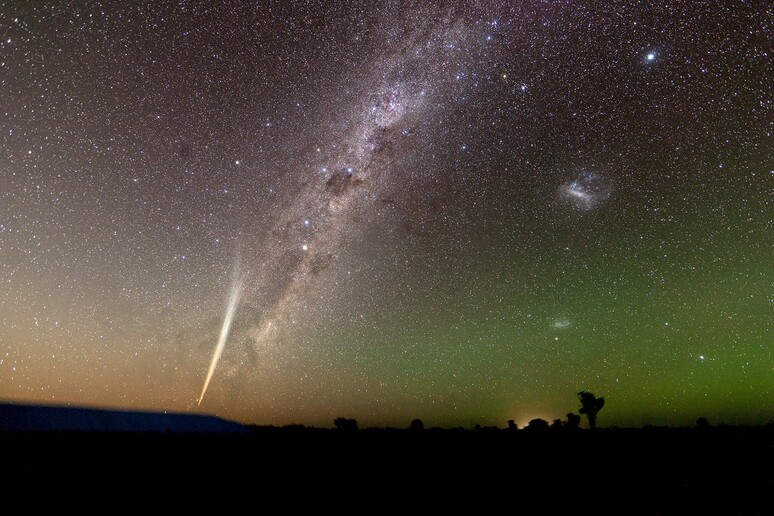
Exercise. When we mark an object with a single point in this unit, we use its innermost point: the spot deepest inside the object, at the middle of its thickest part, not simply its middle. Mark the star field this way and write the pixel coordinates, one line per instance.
(463, 213)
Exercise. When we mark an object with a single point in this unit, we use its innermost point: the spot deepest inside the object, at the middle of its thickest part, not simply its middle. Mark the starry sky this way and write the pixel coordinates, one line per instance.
(464, 212)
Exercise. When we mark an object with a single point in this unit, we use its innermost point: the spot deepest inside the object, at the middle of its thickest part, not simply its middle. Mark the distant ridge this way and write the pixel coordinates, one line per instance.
(21, 417)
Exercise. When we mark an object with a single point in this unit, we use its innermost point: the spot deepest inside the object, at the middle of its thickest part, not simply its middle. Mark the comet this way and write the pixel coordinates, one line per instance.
(237, 281)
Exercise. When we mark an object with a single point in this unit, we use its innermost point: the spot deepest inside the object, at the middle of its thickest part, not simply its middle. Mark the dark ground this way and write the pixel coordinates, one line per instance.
(716, 470)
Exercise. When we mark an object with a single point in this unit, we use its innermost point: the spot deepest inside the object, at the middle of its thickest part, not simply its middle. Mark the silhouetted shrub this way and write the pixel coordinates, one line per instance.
(537, 424)
(343, 423)
(417, 425)
(573, 421)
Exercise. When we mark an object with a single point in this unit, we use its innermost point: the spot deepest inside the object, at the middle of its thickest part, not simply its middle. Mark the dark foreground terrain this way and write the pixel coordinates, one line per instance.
(716, 470)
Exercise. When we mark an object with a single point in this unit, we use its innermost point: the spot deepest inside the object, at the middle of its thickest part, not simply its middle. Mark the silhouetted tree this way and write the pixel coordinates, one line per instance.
(556, 425)
(512, 425)
(573, 421)
(343, 423)
(703, 422)
(417, 424)
(590, 405)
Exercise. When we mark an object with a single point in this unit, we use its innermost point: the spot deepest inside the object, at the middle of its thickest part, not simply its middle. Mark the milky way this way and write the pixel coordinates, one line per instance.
(464, 213)
(399, 94)
(400, 91)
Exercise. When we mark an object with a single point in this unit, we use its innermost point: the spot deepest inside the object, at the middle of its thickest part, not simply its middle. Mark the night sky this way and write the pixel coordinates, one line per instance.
(287, 212)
